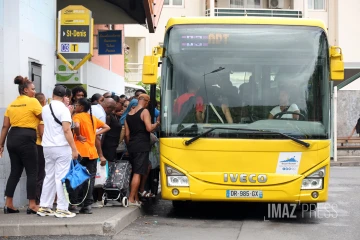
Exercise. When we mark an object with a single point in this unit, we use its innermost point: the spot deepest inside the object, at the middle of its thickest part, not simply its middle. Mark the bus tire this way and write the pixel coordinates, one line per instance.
(178, 204)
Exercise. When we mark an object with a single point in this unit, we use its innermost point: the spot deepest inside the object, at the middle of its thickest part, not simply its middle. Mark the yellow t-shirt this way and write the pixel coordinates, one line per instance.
(23, 111)
(87, 149)
(38, 138)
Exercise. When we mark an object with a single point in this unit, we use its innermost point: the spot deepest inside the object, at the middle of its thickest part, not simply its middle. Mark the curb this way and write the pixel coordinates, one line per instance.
(108, 227)
(120, 221)
(345, 164)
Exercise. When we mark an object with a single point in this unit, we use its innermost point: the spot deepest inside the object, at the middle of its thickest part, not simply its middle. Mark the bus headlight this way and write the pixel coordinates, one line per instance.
(314, 180)
(175, 178)
(312, 183)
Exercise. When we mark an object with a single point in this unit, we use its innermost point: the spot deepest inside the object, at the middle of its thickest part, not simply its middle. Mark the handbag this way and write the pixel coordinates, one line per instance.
(121, 147)
(76, 176)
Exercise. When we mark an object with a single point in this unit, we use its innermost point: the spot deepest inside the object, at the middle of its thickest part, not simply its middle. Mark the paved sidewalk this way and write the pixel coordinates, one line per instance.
(345, 161)
(103, 221)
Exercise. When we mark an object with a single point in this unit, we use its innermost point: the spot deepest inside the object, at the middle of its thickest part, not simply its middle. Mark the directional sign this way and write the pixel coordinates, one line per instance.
(75, 31)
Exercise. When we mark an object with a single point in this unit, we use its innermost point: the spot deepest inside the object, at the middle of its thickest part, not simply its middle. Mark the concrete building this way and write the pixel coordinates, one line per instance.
(28, 48)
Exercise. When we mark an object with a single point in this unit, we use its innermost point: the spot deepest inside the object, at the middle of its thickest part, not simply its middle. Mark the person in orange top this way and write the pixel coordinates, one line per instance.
(85, 135)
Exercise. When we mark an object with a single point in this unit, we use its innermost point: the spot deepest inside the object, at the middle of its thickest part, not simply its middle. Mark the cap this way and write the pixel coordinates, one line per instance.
(60, 91)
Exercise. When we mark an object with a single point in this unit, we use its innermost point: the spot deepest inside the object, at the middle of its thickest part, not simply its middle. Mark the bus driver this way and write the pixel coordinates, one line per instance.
(285, 107)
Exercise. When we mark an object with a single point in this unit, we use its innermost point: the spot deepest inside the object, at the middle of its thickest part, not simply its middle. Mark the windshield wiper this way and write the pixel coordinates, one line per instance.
(190, 141)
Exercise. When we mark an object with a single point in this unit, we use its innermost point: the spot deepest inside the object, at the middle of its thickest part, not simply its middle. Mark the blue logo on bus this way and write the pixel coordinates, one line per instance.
(65, 47)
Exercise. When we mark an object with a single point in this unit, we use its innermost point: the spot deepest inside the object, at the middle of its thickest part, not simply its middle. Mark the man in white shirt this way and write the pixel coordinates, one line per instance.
(59, 150)
(285, 107)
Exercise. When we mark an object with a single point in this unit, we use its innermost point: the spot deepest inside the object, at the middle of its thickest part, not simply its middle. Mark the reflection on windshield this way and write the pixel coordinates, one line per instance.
(271, 77)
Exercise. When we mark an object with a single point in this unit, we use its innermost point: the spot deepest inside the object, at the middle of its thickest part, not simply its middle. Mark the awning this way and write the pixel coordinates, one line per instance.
(145, 12)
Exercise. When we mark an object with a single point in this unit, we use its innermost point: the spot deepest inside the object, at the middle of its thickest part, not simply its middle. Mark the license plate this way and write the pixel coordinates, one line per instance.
(244, 194)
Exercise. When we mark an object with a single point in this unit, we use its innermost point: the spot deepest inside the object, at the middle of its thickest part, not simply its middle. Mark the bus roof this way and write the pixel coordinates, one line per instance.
(246, 20)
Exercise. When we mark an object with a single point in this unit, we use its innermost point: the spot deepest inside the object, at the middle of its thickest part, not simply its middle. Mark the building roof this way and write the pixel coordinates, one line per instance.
(246, 20)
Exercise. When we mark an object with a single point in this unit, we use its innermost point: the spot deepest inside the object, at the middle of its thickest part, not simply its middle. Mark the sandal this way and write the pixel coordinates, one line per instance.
(146, 194)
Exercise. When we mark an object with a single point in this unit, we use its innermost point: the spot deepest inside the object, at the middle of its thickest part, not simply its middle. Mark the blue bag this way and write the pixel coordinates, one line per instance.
(77, 175)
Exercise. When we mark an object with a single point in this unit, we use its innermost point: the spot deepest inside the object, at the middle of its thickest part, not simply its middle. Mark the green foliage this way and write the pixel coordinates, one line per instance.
(147, 88)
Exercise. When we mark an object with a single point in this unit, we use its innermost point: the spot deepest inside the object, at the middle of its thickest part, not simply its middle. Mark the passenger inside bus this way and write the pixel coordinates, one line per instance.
(189, 106)
(285, 106)
(218, 102)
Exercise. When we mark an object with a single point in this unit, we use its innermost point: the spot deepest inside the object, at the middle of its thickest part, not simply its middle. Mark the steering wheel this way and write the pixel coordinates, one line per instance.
(278, 115)
(253, 118)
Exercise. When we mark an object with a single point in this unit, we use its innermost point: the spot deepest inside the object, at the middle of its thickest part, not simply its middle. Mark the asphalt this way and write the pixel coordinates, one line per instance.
(104, 221)
(108, 221)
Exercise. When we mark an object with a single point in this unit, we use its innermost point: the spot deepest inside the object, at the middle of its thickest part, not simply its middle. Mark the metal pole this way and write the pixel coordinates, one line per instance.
(305, 7)
(212, 8)
(152, 102)
(335, 123)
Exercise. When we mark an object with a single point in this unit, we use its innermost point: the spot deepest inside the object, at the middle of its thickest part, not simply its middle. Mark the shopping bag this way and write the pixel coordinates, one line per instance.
(154, 156)
(74, 179)
(77, 175)
(101, 174)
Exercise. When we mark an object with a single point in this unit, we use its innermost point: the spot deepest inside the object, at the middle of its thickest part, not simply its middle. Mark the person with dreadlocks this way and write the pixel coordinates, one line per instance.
(85, 135)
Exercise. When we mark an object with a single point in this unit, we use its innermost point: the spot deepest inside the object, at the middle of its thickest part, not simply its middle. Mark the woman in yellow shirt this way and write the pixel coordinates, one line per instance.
(23, 116)
(85, 135)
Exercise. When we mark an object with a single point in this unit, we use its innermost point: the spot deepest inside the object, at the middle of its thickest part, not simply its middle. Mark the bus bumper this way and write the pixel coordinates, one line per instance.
(282, 193)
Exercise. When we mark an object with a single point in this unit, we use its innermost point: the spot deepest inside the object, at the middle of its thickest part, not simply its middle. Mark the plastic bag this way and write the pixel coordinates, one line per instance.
(102, 173)
(154, 156)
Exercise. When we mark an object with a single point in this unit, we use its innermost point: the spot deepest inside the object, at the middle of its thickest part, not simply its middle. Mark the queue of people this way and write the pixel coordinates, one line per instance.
(45, 139)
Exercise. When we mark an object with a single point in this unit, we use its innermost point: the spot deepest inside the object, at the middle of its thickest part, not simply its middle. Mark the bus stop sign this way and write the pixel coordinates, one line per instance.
(74, 35)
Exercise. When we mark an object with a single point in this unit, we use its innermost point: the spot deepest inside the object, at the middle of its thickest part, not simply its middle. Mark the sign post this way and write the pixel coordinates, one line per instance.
(110, 42)
(75, 35)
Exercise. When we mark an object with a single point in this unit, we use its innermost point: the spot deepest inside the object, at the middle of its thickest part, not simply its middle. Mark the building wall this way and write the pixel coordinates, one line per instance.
(100, 80)
(348, 111)
(349, 34)
(27, 31)
(191, 8)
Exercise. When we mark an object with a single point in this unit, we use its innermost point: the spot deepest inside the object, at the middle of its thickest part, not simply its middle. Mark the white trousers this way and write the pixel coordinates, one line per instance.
(57, 165)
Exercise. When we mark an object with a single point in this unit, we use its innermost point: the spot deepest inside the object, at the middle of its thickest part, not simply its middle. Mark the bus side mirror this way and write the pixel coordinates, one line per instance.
(150, 70)
(336, 63)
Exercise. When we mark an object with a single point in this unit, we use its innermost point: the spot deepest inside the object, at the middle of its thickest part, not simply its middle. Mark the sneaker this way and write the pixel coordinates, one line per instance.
(73, 209)
(97, 205)
(42, 212)
(64, 214)
(86, 210)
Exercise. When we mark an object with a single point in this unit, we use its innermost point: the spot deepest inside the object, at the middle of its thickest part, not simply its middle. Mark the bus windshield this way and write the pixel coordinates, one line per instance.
(263, 77)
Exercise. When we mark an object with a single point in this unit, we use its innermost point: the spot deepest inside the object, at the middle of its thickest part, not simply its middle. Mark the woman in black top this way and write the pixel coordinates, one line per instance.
(137, 136)
(110, 140)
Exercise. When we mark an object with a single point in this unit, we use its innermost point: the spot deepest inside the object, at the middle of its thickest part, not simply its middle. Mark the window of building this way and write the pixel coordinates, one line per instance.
(175, 3)
(316, 4)
(245, 3)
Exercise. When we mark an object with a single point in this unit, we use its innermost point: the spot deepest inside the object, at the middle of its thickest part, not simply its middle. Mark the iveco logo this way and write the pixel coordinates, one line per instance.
(253, 178)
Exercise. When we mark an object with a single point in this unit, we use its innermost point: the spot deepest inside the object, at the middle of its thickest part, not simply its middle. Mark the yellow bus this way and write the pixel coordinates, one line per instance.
(245, 109)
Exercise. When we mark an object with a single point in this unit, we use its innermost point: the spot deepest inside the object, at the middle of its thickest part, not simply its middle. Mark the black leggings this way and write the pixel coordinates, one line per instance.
(21, 145)
(41, 173)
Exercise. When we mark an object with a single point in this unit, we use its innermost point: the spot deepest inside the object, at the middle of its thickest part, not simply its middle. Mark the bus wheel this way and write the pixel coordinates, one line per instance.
(178, 204)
